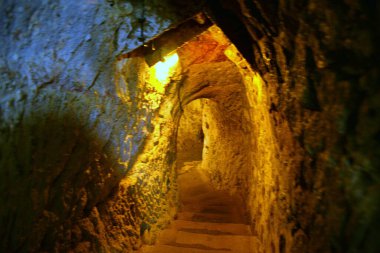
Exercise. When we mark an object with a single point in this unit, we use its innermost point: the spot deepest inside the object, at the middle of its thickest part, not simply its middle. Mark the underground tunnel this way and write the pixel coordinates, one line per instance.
(198, 126)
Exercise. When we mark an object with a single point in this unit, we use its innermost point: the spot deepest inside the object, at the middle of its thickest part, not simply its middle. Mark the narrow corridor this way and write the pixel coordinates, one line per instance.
(208, 220)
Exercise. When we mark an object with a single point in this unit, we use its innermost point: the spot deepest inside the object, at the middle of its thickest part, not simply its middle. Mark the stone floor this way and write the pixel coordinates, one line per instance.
(209, 221)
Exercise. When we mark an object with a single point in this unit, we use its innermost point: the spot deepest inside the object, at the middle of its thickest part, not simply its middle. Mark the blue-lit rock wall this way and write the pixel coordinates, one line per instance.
(66, 139)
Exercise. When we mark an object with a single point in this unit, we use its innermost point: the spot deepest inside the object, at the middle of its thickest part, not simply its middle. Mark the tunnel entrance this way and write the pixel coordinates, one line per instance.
(212, 149)
(214, 124)
(205, 139)
(208, 218)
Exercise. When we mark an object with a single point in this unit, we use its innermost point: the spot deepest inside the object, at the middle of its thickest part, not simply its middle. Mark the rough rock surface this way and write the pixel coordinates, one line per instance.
(315, 184)
(190, 134)
(68, 137)
(87, 160)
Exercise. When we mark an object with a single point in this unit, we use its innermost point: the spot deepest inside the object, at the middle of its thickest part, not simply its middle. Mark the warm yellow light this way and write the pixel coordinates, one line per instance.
(164, 69)
(253, 81)
(159, 76)
(258, 82)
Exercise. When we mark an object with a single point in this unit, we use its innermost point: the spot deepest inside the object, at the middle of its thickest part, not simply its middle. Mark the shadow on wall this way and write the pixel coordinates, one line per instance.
(60, 157)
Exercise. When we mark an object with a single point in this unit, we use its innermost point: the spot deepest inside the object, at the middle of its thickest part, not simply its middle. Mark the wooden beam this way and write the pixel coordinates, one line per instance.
(155, 49)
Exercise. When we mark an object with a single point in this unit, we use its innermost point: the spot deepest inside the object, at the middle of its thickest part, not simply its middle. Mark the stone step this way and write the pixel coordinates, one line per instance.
(207, 200)
(209, 217)
(211, 208)
(169, 235)
(205, 193)
(230, 228)
(180, 248)
(234, 243)
(208, 221)
(207, 209)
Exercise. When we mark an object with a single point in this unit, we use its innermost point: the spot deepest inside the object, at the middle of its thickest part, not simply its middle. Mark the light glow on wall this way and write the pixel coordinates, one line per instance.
(163, 70)
(160, 75)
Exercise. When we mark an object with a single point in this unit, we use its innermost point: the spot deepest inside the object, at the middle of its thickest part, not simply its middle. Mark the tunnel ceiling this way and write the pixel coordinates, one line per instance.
(206, 70)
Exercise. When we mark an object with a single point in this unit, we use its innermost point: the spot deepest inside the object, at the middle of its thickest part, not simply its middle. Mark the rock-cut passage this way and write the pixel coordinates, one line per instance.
(209, 220)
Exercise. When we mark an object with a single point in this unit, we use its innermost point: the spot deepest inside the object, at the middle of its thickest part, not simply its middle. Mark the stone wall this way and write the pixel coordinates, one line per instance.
(190, 134)
(317, 190)
(73, 126)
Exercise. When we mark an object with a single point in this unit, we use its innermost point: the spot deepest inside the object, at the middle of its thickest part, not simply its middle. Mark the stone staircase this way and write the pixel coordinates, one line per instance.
(209, 221)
